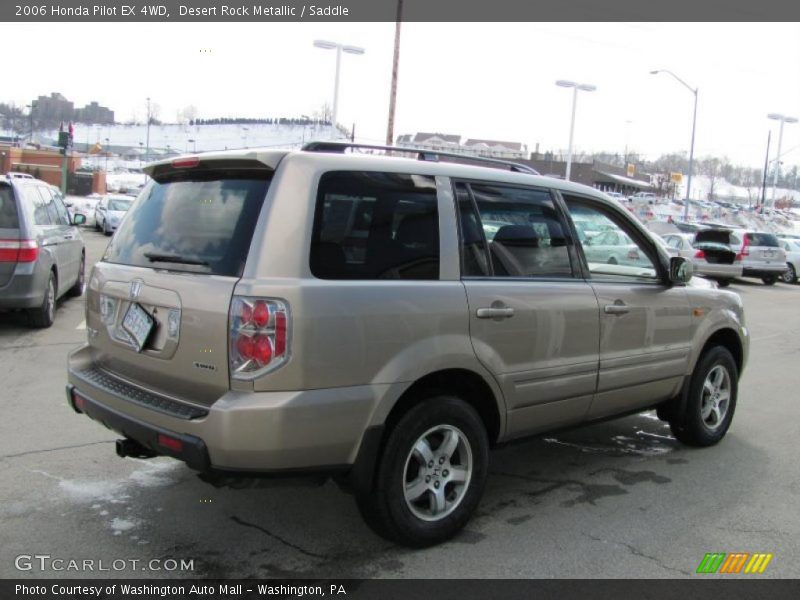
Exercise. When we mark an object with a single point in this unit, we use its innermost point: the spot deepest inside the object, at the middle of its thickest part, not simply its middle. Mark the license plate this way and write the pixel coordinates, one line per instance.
(138, 324)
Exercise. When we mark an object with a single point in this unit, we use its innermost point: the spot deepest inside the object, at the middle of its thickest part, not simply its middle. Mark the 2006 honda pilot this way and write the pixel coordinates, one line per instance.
(387, 320)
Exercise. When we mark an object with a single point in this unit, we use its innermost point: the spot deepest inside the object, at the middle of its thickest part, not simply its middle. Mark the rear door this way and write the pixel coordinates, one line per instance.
(176, 259)
(533, 320)
(645, 324)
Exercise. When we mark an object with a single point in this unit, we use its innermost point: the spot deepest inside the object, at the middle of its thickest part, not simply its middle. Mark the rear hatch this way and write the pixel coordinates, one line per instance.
(160, 297)
(9, 233)
(764, 247)
(715, 245)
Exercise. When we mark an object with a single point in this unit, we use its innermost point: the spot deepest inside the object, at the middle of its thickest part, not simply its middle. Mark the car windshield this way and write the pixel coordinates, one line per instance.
(119, 204)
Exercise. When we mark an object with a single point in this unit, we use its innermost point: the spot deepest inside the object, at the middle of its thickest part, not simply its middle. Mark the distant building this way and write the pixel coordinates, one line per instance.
(452, 143)
(52, 110)
(94, 113)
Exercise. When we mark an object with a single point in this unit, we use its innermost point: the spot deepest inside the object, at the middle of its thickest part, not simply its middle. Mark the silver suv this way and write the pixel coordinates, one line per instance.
(42, 254)
(387, 321)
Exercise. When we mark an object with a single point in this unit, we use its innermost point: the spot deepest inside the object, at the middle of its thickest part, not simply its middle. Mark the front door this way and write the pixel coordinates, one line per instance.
(645, 324)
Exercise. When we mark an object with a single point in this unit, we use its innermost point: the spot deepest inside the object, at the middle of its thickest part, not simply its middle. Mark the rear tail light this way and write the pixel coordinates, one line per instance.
(745, 249)
(185, 163)
(699, 254)
(24, 251)
(259, 336)
(633, 254)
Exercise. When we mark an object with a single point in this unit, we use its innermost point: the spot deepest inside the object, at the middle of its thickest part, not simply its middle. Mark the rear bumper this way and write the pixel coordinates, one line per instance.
(26, 288)
(765, 270)
(249, 432)
(719, 271)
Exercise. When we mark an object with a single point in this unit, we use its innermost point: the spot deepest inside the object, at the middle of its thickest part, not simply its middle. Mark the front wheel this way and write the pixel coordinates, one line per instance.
(711, 400)
(430, 475)
(791, 275)
(769, 279)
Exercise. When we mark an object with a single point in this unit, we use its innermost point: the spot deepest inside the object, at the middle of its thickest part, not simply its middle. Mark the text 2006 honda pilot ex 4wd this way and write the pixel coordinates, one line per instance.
(387, 320)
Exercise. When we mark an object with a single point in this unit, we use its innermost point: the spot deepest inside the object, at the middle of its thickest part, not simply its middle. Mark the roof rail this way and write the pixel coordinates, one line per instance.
(423, 154)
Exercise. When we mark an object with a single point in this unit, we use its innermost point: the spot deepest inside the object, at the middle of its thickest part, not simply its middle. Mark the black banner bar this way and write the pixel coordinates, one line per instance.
(386, 10)
(701, 588)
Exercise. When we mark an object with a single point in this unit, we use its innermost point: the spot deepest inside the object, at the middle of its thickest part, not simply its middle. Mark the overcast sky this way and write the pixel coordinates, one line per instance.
(479, 80)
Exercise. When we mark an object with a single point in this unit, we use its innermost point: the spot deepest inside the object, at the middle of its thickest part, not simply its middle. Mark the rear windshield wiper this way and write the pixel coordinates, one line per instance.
(174, 258)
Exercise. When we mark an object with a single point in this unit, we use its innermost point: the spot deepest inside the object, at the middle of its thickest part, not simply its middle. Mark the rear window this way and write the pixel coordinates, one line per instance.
(201, 223)
(8, 208)
(762, 239)
(376, 226)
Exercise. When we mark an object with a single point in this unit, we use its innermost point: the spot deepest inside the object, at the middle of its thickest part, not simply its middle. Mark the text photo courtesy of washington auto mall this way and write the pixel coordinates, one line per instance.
(393, 298)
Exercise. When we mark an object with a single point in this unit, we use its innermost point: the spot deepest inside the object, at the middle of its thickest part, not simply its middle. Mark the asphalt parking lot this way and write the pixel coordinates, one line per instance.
(619, 499)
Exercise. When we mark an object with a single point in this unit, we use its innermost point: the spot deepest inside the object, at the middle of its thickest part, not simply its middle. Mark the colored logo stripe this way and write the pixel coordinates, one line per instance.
(711, 562)
(758, 563)
(734, 562)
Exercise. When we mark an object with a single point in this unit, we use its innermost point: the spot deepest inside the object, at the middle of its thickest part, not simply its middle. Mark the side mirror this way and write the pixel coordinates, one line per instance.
(78, 219)
(680, 270)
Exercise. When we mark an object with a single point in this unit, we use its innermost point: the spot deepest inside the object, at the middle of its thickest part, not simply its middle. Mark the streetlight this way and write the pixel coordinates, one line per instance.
(783, 119)
(691, 148)
(31, 106)
(584, 87)
(194, 145)
(108, 149)
(326, 45)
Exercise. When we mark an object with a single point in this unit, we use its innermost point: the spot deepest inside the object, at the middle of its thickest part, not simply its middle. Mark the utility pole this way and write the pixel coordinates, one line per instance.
(147, 152)
(766, 166)
(395, 67)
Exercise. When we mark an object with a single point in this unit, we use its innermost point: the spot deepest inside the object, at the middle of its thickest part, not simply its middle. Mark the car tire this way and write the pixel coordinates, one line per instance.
(791, 275)
(711, 401)
(430, 475)
(96, 224)
(105, 228)
(44, 315)
(612, 260)
(769, 279)
(77, 289)
(723, 282)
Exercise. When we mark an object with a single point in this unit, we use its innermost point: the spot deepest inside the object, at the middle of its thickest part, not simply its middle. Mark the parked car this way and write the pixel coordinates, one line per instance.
(42, 255)
(791, 246)
(644, 198)
(613, 247)
(109, 212)
(272, 311)
(711, 252)
(761, 255)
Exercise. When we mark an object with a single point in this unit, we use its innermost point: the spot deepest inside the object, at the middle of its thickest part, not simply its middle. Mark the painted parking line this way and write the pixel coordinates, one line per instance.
(81, 325)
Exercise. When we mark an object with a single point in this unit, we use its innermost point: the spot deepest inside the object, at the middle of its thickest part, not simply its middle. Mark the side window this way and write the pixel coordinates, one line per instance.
(522, 233)
(52, 209)
(613, 250)
(674, 242)
(63, 215)
(41, 216)
(371, 225)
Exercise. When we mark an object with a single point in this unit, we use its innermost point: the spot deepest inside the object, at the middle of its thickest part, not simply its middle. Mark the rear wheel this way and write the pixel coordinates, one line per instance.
(430, 475)
(96, 224)
(723, 282)
(769, 279)
(791, 275)
(711, 400)
(44, 315)
(106, 229)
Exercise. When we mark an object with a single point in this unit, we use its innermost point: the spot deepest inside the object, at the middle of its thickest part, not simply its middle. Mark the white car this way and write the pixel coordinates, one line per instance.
(792, 248)
(109, 212)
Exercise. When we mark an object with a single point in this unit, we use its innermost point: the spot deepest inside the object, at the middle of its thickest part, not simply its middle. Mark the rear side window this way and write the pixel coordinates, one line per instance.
(370, 225)
(201, 223)
(762, 239)
(8, 208)
(41, 216)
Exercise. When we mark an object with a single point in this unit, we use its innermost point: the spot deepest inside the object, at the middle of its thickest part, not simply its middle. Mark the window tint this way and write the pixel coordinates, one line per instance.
(375, 226)
(63, 215)
(41, 216)
(762, 239)
(474, 253)
(609, 243)
(521, 227)
(204, 222)
(8, 208)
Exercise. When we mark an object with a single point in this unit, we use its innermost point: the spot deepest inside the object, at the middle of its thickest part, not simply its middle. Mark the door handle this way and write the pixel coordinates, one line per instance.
(69, 236)
(616, 309)
(495, 313)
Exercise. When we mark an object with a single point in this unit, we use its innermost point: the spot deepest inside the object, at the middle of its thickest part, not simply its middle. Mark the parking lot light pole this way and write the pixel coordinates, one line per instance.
(584, 87)
(783, 119)
(691, 147)
(326, 45)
